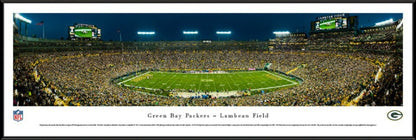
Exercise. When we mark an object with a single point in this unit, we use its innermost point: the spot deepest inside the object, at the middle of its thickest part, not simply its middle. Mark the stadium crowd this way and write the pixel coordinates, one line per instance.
(389, 89)
(331, 39)
(83, 78)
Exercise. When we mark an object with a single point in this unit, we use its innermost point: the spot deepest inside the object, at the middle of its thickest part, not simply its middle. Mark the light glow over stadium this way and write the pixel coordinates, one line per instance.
(223, 32)
(281, 32)
(145, 33)
(190, 32)
(390, 21)
(21, 18)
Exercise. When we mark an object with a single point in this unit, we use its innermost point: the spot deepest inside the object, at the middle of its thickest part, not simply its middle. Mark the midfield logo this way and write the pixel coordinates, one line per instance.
(18, 115)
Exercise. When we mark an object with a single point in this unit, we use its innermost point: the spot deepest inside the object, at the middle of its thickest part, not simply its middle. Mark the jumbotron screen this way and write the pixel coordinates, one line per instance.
(84, 32)
(329, 24)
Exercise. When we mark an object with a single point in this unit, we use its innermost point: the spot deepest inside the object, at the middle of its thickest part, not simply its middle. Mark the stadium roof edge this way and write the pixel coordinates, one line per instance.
(396, 22)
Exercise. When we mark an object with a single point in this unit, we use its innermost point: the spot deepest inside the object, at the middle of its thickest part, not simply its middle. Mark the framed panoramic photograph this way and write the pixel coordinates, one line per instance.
(259, 70)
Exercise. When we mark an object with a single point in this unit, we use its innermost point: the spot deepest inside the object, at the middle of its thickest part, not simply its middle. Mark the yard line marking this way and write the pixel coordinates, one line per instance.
(281, 77)
(251, 78)
(293, 83)
(156, 83)
(215, 86)
(172, 77)
(254, 79)
(220, 85)
(266, 81)
(199, 86)
(229, 82)
(141, 87)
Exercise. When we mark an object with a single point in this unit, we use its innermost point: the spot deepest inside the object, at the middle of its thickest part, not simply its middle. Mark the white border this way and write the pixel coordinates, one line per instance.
(33, 116)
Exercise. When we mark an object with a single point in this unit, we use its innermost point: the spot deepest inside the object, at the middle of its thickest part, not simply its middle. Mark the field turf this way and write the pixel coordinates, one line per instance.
(233, 81)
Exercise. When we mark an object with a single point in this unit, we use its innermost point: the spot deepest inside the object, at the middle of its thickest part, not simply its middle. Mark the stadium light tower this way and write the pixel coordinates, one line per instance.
(281, 33)
(22, 19)
(228, 33)
(190, 33)
(143, 33)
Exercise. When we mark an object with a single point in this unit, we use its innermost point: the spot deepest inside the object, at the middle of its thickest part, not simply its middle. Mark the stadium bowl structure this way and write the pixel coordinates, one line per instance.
(92, 78)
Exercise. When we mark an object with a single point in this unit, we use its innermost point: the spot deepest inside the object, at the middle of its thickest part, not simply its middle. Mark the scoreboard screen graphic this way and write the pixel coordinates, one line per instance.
(330, 24)
(84, 31)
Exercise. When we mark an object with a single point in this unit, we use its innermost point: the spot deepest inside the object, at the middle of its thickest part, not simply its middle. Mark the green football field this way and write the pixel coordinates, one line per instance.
(328, 24)
(233, 81)
(83, 32)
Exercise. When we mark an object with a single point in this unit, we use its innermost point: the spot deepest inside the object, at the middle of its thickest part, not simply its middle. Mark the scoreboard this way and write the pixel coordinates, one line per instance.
(84, 32)
(334, 22)
(329, 24)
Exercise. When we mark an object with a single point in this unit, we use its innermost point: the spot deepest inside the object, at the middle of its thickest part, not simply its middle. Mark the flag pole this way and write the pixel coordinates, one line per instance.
(120, 36)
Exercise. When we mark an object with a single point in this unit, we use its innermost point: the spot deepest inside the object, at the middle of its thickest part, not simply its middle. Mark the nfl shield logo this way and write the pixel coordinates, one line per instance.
(17, 115)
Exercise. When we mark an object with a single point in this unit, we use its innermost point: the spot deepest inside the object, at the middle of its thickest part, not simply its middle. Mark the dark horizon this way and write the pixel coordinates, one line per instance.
(169, 27)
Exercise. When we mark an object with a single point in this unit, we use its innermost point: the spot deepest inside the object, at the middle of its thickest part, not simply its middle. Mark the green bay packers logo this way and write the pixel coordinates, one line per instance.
(395, 115)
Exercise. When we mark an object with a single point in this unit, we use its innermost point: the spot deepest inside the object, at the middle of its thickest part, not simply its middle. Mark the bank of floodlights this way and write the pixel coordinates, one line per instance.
(281, 33)
(21, 18)
(145, 33)
(223, 32)
(390, 21)
(190, 32)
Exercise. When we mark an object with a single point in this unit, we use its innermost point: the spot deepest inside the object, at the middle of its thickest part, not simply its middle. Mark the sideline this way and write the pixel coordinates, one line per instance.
(281, 77)
(132, 78)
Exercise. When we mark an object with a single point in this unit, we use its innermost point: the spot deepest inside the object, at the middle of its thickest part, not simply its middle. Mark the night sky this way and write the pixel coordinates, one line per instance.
(170, 26)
